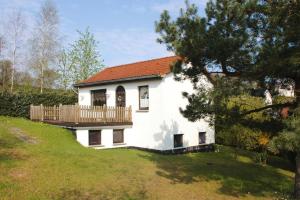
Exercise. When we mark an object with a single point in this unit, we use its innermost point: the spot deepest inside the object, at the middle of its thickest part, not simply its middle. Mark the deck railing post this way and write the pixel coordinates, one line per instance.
(42, 112)
(129, 114)
(104, 113)
(76, 109)
(60, 112)
(31, 112)
(78, 113)
(54, 112)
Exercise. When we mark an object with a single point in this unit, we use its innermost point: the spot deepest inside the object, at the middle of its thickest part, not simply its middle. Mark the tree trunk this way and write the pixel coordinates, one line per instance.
(42, 78)
(13, 64)
(12, 79)
(297, 177)
(297, 89)
(12, 74)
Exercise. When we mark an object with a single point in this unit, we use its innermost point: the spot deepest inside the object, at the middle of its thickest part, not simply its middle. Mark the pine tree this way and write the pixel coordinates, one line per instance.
(249, 40)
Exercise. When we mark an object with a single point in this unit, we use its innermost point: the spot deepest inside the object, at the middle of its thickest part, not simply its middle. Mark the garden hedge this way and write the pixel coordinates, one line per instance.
(18, 104)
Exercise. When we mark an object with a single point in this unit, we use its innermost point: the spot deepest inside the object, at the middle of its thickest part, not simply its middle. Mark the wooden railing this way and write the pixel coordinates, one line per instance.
(80, 113)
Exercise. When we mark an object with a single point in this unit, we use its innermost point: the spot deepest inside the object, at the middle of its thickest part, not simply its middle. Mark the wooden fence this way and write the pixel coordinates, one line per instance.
(80, 113)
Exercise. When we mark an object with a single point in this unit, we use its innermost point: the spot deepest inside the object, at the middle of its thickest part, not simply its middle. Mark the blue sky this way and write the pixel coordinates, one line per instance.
(124, 28)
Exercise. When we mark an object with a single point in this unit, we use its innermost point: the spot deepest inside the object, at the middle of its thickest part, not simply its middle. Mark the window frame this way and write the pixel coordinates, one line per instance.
(93, 93)
(122, 142)
(199, 140)
(180, 135)
(139, 98)
(100, 137)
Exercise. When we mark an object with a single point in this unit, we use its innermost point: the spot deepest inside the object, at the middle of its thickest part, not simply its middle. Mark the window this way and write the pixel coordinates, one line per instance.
(120, 97)
(202, 137)
(94, 137)
(178, 140)
(99, 97)
(118, 136)
(144, 98)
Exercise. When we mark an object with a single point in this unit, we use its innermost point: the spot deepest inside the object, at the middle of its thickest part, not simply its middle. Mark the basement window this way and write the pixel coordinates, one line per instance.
(178, 140)
(202, 137)
(118, 136)
(94, 137)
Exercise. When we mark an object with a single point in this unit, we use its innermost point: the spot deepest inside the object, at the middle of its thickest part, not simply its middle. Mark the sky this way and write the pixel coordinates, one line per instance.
(124, 28)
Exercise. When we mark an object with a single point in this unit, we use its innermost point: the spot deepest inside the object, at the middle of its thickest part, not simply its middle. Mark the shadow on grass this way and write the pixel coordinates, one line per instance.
(281, 163)
(275, 161)
(237, 178)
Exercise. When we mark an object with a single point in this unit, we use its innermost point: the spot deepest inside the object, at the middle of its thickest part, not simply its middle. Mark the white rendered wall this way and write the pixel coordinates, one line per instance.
(286, 92)
(173, 122)
(155, 128)
(82, 137)
(144, 123)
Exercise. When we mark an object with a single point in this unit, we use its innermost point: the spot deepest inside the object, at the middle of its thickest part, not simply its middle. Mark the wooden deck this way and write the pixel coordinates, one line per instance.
(82, 116)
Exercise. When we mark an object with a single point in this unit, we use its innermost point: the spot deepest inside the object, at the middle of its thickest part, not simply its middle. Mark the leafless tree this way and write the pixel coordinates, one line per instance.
(15, 35)
(45, 43)
(2, 46)
(5, 72)
(64, 69)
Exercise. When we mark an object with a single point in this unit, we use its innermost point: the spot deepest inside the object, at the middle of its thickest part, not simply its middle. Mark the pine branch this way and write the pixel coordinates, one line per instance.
(280, 105)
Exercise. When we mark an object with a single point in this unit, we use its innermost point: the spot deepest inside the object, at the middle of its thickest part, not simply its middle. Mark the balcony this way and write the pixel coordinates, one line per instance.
(81, 116)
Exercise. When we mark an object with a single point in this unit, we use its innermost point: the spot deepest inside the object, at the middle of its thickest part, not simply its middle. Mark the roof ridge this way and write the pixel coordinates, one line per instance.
(143, 61)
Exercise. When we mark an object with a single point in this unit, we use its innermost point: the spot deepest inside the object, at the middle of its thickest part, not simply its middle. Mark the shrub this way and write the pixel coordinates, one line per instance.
(18, 104)
(239, 136)
(283, 99)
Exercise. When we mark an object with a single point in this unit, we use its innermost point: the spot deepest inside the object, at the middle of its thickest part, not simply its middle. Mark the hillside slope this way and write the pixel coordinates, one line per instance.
(39, 161)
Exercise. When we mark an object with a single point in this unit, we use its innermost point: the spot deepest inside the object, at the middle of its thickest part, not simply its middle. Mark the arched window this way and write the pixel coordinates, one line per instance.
(120, 96)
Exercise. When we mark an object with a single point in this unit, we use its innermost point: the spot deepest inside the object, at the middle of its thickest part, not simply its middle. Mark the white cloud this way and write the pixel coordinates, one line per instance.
(129, 45)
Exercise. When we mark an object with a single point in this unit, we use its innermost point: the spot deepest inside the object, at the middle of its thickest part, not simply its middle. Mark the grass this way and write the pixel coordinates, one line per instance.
(57, 167)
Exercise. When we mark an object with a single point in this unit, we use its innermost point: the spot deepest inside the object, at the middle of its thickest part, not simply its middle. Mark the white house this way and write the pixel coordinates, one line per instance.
(149, 88)
(285, 87)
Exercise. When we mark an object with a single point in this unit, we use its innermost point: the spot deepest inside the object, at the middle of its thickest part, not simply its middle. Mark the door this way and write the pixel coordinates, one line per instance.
(120, 97)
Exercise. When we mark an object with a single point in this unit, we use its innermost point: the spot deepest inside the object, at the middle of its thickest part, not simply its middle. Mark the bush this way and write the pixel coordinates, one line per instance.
(239, 136)
(283, 99)
(261, 157)
(18, 104)
(243, 137)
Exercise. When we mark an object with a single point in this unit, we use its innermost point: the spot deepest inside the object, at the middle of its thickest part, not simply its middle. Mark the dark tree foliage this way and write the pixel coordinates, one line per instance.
(224, 39)
(18, 104)
(279, 54)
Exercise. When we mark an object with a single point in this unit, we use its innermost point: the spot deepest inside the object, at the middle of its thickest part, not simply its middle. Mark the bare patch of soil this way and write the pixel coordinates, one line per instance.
(23, 136)
(18, 174)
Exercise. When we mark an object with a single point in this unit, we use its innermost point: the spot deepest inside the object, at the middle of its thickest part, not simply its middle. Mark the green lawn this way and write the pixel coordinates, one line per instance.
(54, 166)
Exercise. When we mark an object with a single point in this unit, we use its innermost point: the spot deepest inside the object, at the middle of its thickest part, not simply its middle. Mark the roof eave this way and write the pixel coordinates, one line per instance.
(107, 82)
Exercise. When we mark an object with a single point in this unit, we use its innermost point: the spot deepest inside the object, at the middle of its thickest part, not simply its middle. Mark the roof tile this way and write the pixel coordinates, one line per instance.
(160, 66)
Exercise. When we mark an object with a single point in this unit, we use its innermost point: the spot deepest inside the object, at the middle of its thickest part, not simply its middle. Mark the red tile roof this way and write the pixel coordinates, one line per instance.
(154, 67)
